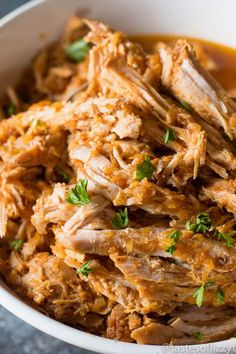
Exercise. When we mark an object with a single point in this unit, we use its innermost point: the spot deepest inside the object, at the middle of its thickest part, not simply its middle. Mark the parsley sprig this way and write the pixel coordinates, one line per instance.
(85, 269)
(174, 236)
(144, 169)
(169, 136)
(186, 105)
(227, 237)
(16, 244)
(11, 109)
(201, 224)
(199, 335)
(79, 195)
(220, 296)
(78, 50)
(199, 293)
(121, 220)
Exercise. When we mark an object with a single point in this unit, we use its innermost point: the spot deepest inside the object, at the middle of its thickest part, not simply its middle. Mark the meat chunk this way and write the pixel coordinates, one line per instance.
(189, 82)
(223, 193)
(155, 333)
(118, 325)
(213, 331)
(49, 282)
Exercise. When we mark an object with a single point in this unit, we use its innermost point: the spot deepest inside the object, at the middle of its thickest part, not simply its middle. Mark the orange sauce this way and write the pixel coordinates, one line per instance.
(223, 57)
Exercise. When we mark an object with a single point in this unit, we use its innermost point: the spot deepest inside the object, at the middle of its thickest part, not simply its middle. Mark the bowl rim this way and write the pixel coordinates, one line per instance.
(79, 338)
(19, 10)
(10, 301)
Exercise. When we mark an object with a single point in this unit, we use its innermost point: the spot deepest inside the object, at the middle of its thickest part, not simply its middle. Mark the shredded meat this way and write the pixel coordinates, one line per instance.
(118, 194)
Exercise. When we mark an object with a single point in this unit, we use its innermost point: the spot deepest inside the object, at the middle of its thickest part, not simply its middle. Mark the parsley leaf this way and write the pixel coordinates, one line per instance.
(16, 244)
(169, 136)
(220, 297)
(85, 269)
(11, 109)
(203, 223)
(174, 235)
(120, 221)
(145, 169)
(227, 237)
(78, 195)
(186, 105)
(78, 50)
(199, 335)
(199, 293)
(171, 248)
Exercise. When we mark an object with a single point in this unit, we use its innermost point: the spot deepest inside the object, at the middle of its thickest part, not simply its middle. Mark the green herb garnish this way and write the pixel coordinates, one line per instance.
(220, 297)
(85, 269)
(78, 50)
(16, 244)
(174, 236)
(227, 237)
(145, 169)
(120, 221)
(169, 136)
(199, 335)
(202, 223)
(171, 248)
(78, 195)
(186, 105)
(11, 109)
(199, 293)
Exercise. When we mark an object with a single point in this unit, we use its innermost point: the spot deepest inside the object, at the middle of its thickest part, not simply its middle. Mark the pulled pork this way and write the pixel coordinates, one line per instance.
(117, 211)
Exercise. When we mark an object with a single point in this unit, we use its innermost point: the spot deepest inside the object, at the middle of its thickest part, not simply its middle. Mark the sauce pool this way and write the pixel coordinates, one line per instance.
(223, 58)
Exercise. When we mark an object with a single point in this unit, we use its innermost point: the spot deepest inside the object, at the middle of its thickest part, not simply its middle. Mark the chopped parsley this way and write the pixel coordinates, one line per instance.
(11, 109)
(199, 293)
(85, 269)
(199, 335)
(79, 195)
(220, 297)
(78, 50)
(169, 136)
(120, 221)
(201, 224)
(174, 236)
(145, 169)
(227, 237)
(16, 244)
(186, 105)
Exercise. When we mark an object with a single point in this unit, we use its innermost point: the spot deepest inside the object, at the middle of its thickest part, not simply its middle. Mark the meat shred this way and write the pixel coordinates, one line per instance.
(118, 192)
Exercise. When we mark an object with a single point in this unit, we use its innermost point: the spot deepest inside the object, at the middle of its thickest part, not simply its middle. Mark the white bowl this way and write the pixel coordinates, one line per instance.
(31, 27)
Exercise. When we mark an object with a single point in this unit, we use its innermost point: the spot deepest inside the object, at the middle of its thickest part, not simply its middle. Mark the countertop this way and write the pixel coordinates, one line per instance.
(16, 336)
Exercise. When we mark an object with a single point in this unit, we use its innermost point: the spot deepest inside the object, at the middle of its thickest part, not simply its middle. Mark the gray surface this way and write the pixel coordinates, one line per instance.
(19, 338)
(16, 337)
